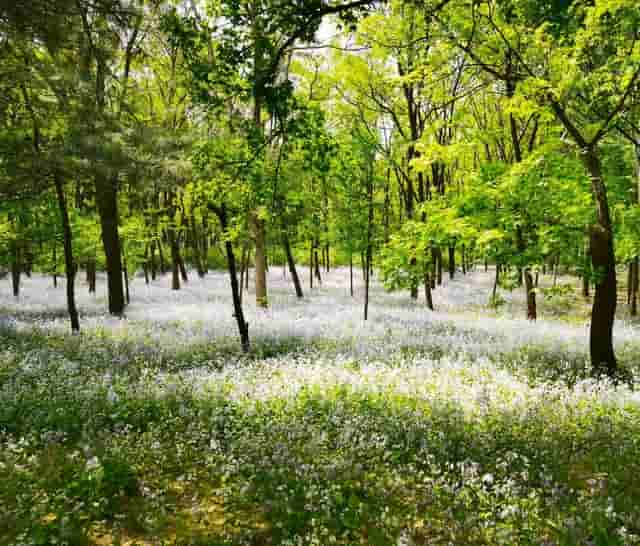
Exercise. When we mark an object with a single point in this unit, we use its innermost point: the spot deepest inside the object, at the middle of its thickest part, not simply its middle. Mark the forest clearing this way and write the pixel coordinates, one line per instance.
(314, 272)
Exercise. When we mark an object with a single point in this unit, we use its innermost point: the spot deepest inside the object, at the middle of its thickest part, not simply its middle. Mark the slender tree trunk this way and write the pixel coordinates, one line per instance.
(175, 259)
(464, 260)
(183, 269)
(413, 290)
(243, 270)
(69, 264)
(351, 273)
(243, 326)
(125, 273)
(152, 260)
(55, 264)
(317, 264)
(369, 250)
(311, 265)
(636, 260)
(292, 264)
(427, 291)
(496, 281)
(15, 269)
(246, 271)
(261, 262)
(634, 289)
(145, 268)
(452, 261)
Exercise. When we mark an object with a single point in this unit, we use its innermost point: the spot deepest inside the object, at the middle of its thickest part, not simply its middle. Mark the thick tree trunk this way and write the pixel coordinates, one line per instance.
(107, 201)
(69, 264)
(603, 262)
(292, 264)
(261, 262)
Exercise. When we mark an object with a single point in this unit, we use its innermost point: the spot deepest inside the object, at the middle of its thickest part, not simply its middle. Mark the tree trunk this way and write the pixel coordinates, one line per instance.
(69, 264)
(243, 326)
(175, 259)
(452, 261)
(55, 264)
(183, 269)
(634, 288)
(91, 275)
(15, 270)
(107, 202)
(351, 273)
(317, 264)
(369, 250)
(163, 262)
(152, 260)
(427, 291)
(261, 262)
(311, 265)
(464, 260)
(292, 264)
(125, 272)
(603, 262)
(586, 273)
(532, 313)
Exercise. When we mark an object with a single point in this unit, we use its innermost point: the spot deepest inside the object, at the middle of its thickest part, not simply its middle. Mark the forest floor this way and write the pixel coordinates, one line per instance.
(468, 425)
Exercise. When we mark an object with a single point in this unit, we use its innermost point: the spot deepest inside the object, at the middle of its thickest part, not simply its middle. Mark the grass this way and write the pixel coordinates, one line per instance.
(416, 429)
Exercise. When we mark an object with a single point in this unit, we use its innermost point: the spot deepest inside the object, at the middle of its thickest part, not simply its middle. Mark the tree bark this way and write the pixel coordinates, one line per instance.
(69, 264)
(261, 262)
(107, 201)
(175, 259)
(603, 261)
(452, 261)
(15, 270)
(634, 287)
(243, 326)
(351, 273)
(292, 264)
(427, 291)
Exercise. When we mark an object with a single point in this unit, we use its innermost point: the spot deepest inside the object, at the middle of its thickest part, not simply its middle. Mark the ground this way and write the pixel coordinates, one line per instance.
(468, 425)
